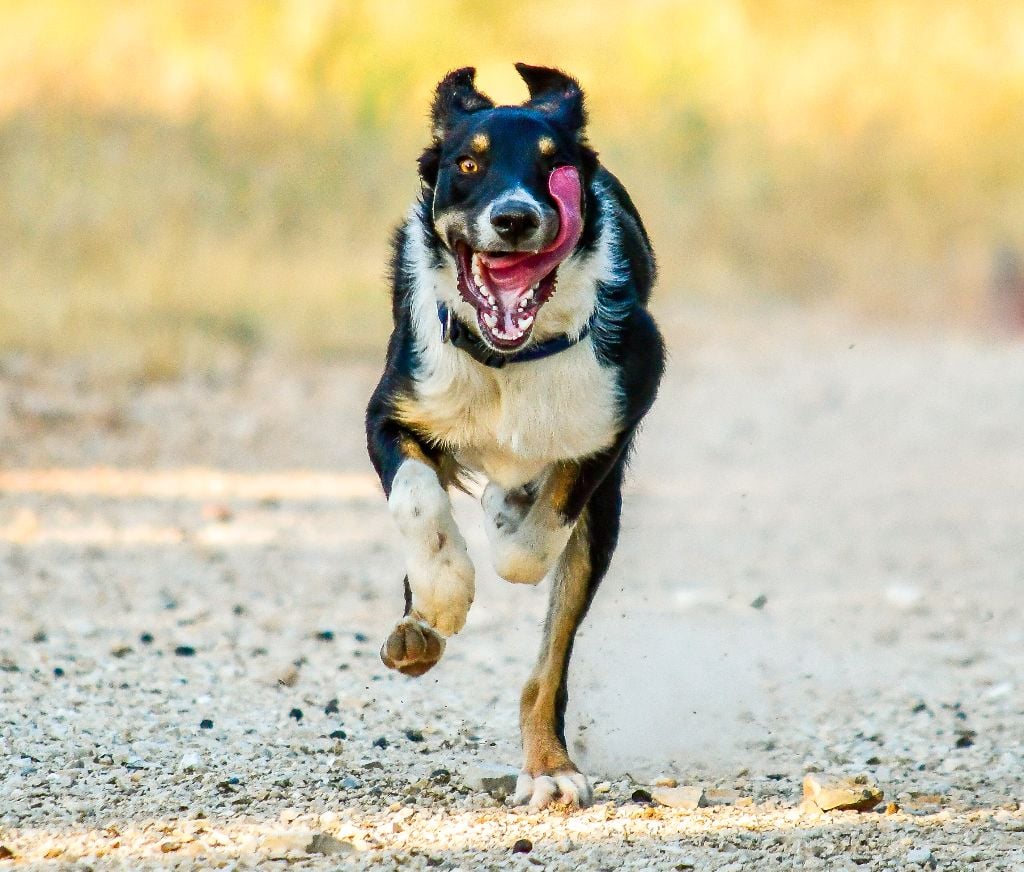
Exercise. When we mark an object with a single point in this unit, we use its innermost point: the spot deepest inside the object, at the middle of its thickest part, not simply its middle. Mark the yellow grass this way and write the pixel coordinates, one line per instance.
(176, 176)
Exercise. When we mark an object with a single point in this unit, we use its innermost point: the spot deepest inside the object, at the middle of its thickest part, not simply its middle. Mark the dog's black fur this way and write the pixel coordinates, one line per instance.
(438, 413)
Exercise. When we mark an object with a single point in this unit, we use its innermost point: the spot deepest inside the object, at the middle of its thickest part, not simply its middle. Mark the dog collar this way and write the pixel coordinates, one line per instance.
(458, 334)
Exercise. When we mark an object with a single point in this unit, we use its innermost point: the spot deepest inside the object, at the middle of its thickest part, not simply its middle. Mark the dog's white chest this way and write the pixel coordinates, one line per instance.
(511, 423)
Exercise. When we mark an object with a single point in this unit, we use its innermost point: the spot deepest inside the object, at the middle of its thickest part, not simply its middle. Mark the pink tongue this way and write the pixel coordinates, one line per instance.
(511, 275)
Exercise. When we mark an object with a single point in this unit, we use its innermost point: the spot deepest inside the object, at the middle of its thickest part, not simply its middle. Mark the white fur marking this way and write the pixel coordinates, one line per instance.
(441, 575)
(571, 788)
(510, 424)
(524, 545)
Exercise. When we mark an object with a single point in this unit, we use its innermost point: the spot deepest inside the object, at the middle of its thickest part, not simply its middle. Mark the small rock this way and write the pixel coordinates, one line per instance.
(217, 512)
(522, 846)
(6, 853)
(824, 793)
(338, 734)
(146, 638)
(666, 782)
(919, 856)
(206, 724)
(185, 651)
(759, 602)
(295, 713)
(722, 796)
(324, 636)
(332, 707)
(190, 762)
(640, 795)
(351, 783)
(169, 847)
(414, 735)
(965, 738)
(120, 651)
(380, 742)
(680, 797)
(361, 637)
(287, 842)
(498, 781)
(325, 843)
(287, 676)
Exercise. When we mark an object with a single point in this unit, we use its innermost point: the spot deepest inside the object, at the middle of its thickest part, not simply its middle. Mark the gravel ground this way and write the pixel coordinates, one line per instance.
(821, 570)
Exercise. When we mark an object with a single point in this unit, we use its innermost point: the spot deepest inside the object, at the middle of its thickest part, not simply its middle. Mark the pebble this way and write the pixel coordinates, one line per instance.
(499, 781)
(680, 797)
(185, 651)
(332, 707)
(325, 843)
(828, 793)
(190, 762)
(522, 846)
(295, 713)
(919, 856)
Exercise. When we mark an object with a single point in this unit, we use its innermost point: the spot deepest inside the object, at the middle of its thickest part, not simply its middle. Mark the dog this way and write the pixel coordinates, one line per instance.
(522, 354)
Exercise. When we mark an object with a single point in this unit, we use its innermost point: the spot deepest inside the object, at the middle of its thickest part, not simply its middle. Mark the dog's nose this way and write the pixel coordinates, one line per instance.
(515, 223)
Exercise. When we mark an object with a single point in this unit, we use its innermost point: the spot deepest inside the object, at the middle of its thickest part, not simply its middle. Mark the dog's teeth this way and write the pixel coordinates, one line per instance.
(526, 322)
(490, 319)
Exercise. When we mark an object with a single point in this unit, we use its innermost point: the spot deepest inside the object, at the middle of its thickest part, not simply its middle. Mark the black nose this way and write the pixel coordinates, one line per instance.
(514, 223)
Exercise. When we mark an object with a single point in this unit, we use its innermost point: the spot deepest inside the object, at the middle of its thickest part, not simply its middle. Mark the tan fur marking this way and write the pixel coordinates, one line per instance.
(411, 449)
(546, 145)
(543, 751)
(559, 485)
(480, 142)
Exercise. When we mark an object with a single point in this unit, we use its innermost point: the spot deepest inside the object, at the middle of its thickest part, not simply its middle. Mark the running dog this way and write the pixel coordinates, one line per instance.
(523, 354)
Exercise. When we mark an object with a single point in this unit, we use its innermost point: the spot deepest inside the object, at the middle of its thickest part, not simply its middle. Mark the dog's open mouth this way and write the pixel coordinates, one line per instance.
(507, 289)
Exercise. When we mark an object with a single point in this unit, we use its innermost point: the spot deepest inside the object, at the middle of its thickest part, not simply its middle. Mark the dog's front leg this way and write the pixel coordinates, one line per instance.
(439, 581)
(440, 573)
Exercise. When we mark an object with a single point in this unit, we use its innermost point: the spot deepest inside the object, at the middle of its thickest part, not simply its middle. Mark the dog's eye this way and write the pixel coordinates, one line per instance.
(468, 166)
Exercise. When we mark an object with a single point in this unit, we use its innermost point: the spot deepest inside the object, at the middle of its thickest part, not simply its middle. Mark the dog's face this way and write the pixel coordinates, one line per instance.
(507, 194)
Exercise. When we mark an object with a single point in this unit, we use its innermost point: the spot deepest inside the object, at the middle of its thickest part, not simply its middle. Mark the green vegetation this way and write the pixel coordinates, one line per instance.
(180, 176)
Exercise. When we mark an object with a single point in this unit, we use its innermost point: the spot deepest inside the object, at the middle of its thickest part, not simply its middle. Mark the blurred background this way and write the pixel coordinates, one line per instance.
(177, 178)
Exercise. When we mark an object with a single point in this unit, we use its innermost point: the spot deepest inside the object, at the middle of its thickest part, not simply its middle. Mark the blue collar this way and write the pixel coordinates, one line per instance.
(458, 334)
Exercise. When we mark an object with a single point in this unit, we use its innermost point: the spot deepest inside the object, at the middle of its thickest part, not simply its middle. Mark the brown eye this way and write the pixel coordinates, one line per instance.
(468, 166)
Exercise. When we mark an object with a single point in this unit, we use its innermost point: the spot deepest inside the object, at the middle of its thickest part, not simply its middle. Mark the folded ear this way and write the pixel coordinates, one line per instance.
(456, 96)
(555, 94)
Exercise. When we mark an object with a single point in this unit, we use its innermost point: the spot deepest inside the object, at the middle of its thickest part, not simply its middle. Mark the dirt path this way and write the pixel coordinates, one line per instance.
(195, 545)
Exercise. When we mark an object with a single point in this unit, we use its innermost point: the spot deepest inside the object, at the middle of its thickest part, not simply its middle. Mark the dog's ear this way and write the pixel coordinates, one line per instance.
(456, 96)
(554, 94)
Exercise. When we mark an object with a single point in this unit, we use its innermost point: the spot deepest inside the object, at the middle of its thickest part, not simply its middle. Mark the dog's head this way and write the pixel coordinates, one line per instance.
(507, 188)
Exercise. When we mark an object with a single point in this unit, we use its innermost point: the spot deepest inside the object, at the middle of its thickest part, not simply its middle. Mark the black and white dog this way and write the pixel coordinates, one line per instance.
(522, 353)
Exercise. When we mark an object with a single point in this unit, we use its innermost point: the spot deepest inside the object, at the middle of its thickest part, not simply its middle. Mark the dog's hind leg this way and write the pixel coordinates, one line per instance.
(548, 772)
(440, 580)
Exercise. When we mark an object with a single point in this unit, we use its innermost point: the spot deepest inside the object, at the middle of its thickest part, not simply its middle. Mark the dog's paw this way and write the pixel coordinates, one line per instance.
(565, 786)
(443, 588)
(412, 648)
